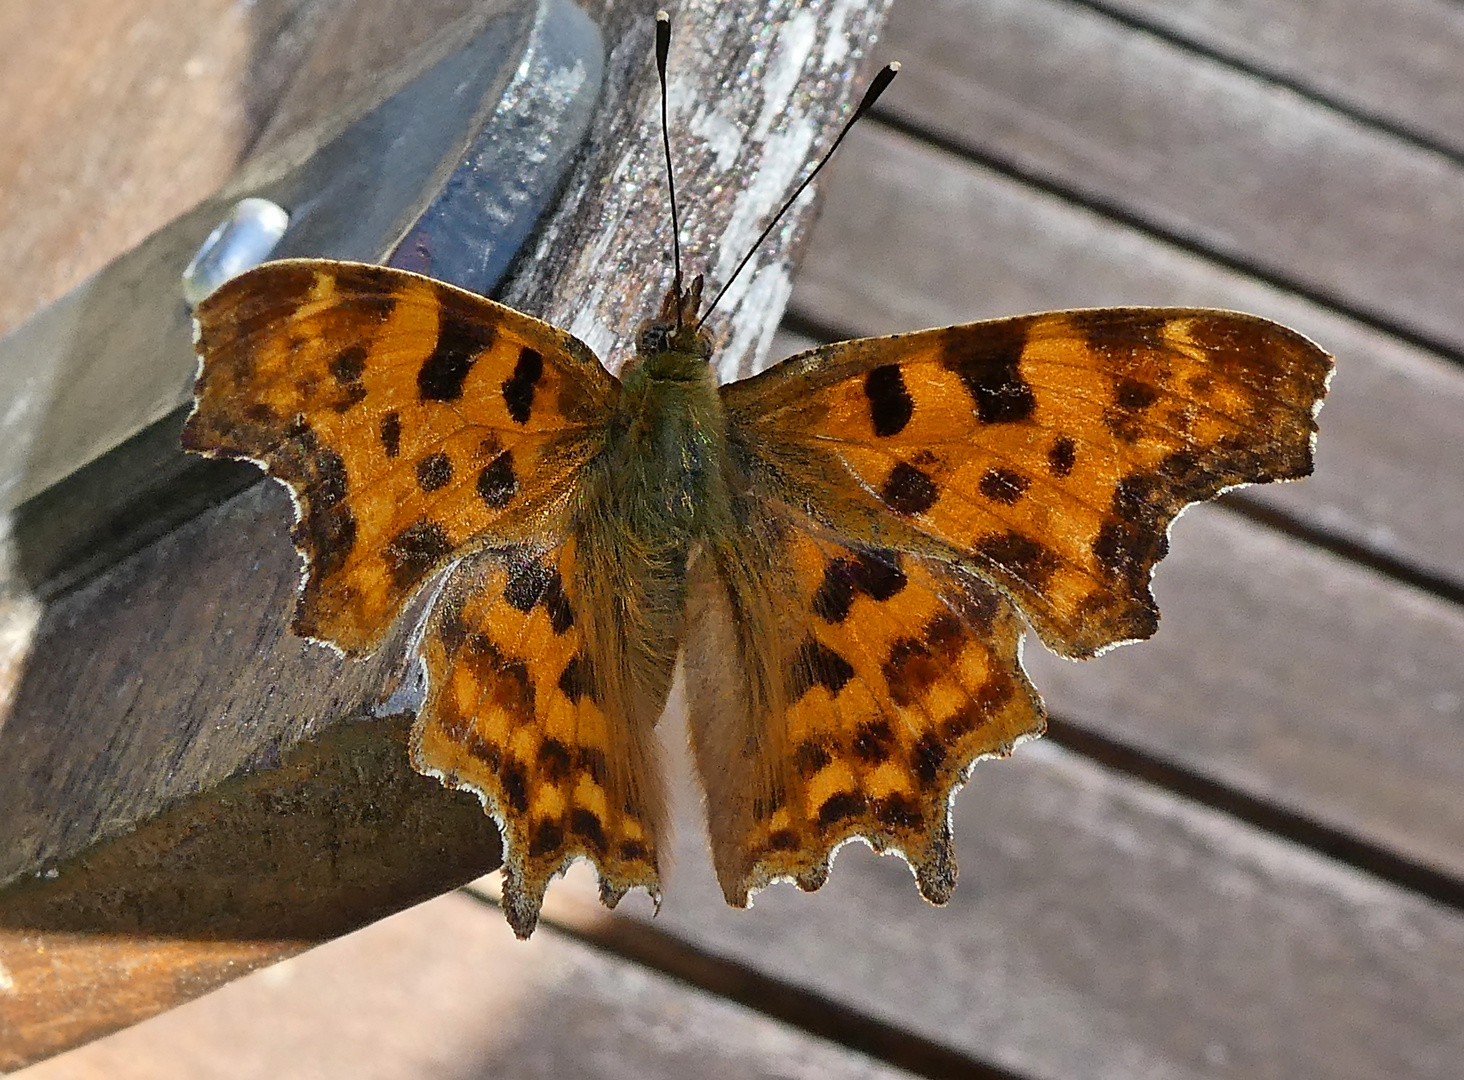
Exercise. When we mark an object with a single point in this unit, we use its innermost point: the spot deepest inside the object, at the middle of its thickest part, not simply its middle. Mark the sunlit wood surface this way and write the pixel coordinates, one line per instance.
(1240, 853)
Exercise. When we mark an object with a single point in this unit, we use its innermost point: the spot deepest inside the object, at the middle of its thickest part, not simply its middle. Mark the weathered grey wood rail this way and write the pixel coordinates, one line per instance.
(1240, 853)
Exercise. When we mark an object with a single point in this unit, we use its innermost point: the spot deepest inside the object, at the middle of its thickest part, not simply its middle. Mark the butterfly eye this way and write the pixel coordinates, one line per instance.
(653, 339)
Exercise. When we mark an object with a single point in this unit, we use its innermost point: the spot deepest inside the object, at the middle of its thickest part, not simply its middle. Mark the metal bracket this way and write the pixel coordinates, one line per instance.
(445, 168)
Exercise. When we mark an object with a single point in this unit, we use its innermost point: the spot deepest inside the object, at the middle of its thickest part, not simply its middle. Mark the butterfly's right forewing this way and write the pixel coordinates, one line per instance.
(410, 419)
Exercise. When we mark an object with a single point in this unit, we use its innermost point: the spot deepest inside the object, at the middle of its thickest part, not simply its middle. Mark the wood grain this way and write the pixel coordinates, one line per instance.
(118, 116)
(445, 990)
(1102, 928)
(1193, 147)
(1395, 60)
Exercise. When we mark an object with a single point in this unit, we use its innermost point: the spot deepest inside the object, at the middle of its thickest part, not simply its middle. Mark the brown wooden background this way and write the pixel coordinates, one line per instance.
(1241, 852)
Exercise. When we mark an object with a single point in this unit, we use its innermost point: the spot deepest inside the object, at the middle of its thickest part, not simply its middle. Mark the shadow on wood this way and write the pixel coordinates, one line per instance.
(341, 833)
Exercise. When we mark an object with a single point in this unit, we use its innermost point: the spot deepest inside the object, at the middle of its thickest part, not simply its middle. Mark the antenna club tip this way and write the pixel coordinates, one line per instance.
(893, 67)
(662, 16)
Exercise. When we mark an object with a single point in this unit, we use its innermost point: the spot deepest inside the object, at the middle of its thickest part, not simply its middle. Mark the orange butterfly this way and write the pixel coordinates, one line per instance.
(840, 550)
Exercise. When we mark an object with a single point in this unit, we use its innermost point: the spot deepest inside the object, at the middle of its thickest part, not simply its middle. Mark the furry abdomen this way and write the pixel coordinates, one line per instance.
(657, 491)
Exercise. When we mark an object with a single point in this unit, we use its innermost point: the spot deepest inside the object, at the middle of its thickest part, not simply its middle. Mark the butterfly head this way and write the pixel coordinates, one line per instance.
(674, 331)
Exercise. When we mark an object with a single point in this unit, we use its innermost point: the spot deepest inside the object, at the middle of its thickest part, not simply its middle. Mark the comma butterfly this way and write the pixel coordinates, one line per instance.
(841, 550)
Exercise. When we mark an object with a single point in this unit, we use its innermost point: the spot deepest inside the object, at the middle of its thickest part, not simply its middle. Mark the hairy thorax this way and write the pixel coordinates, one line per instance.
(666, 450)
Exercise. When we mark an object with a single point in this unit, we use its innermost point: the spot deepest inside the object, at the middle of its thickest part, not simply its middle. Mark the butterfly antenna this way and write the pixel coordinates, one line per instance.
(663, 46)
(877, 87)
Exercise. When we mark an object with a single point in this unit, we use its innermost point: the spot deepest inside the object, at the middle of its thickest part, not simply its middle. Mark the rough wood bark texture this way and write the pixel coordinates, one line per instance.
(167, 683)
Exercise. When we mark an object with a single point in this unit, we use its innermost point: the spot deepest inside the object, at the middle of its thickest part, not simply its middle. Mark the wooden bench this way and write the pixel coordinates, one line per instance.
(1240, 852)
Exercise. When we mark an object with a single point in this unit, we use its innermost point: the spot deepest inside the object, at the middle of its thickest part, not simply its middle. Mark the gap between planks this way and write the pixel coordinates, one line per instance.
(1370, 118)
(778, 999)
(1120, 214)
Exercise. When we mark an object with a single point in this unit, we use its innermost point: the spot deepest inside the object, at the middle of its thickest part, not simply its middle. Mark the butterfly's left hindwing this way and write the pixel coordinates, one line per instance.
(410, 419)
(838, 691)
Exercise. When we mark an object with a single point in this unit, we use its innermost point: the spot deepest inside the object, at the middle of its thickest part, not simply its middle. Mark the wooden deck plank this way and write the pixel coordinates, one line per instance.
(1295, 677)
(1106, 929)
(975, 244)
(1208, 153)
(444, 991)
(118, 116)
(1395, 60)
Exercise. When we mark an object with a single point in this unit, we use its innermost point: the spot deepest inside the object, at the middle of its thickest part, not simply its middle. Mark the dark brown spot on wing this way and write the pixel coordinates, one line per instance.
(366, 289)
(531, 583)
(913, 664)
(328, 529)
(512, 689)
(587, 826)
(907, 490)
(518, 389)
(895, 811)
(497, 483)
(875, 573)
(348, 364)
(929, 758)
(592, 761)
(1020, 556)
(815, 664)
(1003, 486)
(874, 742)
(810, 757)
(998, 689)
(554, 760)
(890, 404)
(391, 434)
(460, 342)
(485, 751)
(909, 669)
(527, 581)
(1132, 394)
(988, 362)
(1143, 503)
(548, 837)
(515, 781)
(784, 840)
(434, 471)
(837, 808)
(1062, 455)
(1124, 339)
(557, 606)
(412, 553)
(1123, 416)
(577, 680)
